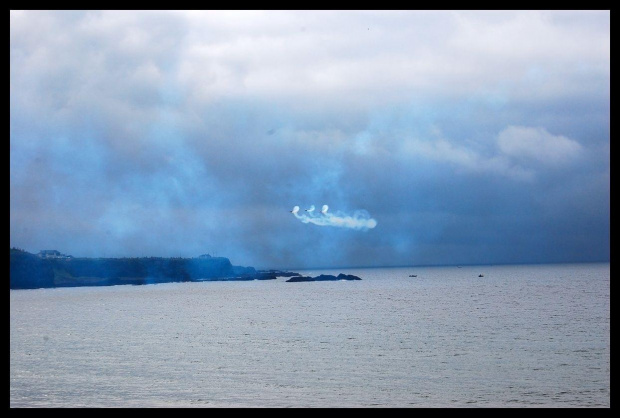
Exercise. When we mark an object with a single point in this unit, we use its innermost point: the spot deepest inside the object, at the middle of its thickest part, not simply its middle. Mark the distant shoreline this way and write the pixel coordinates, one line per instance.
(51, 269)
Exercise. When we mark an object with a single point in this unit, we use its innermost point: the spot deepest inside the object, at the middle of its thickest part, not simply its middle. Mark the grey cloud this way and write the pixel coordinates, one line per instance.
(175, 133)
(537, 144)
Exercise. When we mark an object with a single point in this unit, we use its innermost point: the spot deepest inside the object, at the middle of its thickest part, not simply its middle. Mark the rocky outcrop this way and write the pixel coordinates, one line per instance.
(324, 277)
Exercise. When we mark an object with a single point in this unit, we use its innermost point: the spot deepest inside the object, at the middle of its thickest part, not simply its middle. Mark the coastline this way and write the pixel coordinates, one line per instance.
(32, 271)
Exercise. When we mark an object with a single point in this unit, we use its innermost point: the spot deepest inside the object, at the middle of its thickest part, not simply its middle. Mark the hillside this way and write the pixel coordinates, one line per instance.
(30, 271)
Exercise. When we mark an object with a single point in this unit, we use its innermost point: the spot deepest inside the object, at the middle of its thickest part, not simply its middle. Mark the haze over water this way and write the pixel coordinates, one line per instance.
(521, 336)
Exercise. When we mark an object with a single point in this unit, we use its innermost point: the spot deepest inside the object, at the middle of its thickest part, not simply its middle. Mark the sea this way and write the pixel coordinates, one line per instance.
(492, 336)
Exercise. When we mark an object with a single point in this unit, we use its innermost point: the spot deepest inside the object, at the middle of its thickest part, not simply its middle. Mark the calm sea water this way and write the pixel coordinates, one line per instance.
(521, 336)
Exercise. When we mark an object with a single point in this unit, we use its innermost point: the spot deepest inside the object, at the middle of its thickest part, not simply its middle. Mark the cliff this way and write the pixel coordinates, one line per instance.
(29, 271)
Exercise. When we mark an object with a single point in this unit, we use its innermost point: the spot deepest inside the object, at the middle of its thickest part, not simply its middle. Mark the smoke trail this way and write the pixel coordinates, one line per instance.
(359, 220)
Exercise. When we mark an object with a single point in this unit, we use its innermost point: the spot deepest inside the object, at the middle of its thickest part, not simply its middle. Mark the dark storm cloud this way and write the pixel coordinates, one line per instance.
(470, 137)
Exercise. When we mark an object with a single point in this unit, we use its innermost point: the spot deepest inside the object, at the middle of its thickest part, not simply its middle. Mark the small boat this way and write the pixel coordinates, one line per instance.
(481, 275)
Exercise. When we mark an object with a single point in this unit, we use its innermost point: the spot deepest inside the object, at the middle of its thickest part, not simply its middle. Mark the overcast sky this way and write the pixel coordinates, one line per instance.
(468, 137)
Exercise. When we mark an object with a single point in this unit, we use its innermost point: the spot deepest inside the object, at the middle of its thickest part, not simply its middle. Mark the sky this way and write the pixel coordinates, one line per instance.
(434, 137)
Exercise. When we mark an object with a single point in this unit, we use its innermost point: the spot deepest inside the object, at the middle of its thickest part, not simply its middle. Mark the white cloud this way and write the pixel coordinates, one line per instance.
(521, 152)
(527, 143)
(465, 159)
(363, 57)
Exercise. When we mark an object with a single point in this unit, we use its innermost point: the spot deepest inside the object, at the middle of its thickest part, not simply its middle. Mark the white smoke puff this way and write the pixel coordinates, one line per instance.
(360, 219)
(324, 209)
(295, 209)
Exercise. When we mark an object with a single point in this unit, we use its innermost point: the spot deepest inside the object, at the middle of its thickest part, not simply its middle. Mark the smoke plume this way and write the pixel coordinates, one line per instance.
(360, 219)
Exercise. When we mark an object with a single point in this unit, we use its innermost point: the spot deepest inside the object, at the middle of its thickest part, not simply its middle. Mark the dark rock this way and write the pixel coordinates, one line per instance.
(301, 279)
(323, 278)
(342, 276)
